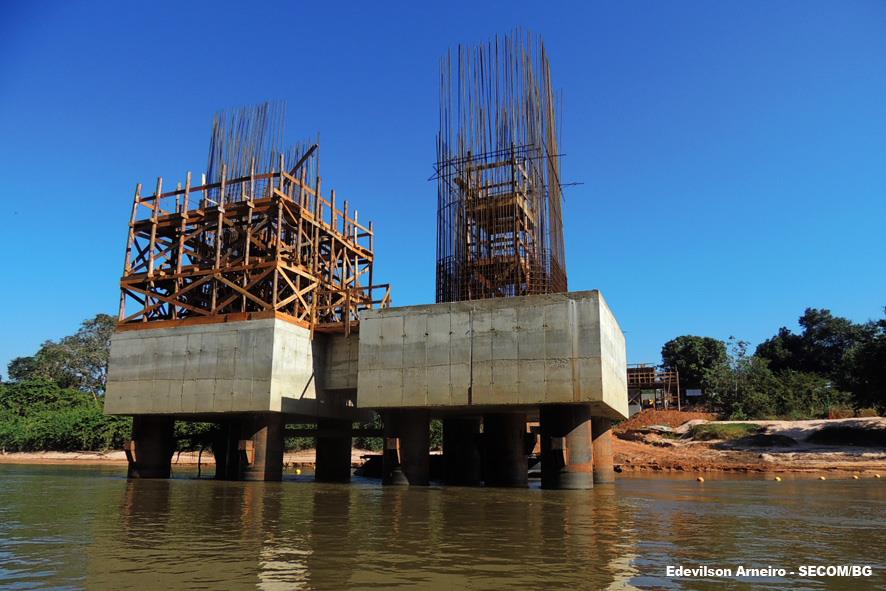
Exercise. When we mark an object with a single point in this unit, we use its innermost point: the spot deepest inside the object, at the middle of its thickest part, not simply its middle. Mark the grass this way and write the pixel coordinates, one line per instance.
(723, 431)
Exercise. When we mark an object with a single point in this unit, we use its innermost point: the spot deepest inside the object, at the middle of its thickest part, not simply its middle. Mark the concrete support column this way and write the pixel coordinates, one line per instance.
(224, 449)
(333, 451)
(150, 450)
(392, 471)
(260, 447)
(567, 458)
(415, 446)
(462, 463)
(604, 471)
(504, 441)
(551, 432)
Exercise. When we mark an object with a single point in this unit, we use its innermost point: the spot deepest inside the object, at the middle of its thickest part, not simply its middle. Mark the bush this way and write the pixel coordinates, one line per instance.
(723, 431)
(38, 415)
(73, 429)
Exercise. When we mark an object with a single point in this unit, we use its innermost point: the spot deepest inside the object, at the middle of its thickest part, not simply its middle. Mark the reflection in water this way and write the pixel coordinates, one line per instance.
(68, 527)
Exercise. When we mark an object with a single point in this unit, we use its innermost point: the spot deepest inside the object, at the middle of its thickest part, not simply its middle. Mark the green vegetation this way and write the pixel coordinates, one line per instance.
(692, 356)
(849, 355)
(78, 361)
(39, 415)
(832, 365)
(723, 431)
(54, 399)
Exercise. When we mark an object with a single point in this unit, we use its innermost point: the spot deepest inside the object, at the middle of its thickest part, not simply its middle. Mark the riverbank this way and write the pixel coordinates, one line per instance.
(304, 457)
(652, 441)
(662, 441)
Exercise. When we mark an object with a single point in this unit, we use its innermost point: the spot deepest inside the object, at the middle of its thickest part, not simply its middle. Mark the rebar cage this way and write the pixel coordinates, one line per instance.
(499, 199)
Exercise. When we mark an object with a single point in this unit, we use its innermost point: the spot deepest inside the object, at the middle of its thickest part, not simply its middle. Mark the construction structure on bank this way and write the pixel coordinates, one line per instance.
(249, 300)
(651, 386)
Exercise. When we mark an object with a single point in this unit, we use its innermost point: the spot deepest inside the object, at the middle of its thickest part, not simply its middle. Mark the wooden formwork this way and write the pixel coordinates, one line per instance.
(259, 246)
(665, 382)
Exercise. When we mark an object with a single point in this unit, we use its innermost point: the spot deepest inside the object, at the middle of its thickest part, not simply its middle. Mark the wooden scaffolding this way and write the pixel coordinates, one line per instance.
(263, 245)
(664, 383)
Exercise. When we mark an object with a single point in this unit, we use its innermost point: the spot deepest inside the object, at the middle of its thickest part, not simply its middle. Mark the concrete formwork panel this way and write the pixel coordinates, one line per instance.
(267, 365)
(521, 351)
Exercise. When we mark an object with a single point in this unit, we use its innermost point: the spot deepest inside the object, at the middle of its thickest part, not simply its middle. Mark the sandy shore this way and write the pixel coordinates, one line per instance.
(638, 449)
(303, 457)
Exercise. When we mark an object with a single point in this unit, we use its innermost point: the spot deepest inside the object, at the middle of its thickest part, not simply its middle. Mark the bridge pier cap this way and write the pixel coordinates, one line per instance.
(513, 352)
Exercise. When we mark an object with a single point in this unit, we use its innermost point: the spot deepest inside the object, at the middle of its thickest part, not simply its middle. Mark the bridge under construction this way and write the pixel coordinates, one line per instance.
(248, 299)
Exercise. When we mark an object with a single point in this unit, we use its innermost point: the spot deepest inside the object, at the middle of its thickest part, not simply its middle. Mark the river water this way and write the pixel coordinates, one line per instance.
(74, 527)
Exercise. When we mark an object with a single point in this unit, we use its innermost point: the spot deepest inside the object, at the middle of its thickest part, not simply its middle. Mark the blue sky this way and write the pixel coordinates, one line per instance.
(733, 154)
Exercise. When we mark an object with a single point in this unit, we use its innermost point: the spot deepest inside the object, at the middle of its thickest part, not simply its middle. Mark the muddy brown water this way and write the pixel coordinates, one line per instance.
(65, 527)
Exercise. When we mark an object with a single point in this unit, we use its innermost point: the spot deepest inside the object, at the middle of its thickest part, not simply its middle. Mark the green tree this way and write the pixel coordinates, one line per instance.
(802, 395)
(851, 356)
(823, 346)
(867, 361)
(743, 386)
(693, 356)
(38, 415)
(77, 361)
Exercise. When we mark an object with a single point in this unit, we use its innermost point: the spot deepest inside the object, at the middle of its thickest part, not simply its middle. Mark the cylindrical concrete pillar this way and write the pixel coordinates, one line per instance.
(333, 460)
(462, 464)
(224, 443)
(504, 446)
(566, 446)
(392, 472)
(551, 432)
(415, 445)
(604, 471)
(151, 448)
(261, 447)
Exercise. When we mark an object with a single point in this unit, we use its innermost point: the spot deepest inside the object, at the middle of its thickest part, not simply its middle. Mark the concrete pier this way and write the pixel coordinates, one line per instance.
(261, 447)
(462, 459)
(415, 442)
(604, 472)
(151, 448)
(502, 359)
(333, 461)
(250, 447)
(504, 450)
(567, 459)
(406, 455)
(392, 471)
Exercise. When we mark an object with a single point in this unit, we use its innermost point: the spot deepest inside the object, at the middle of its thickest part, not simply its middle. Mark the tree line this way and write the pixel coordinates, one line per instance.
(833, 366)
(53, 399)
